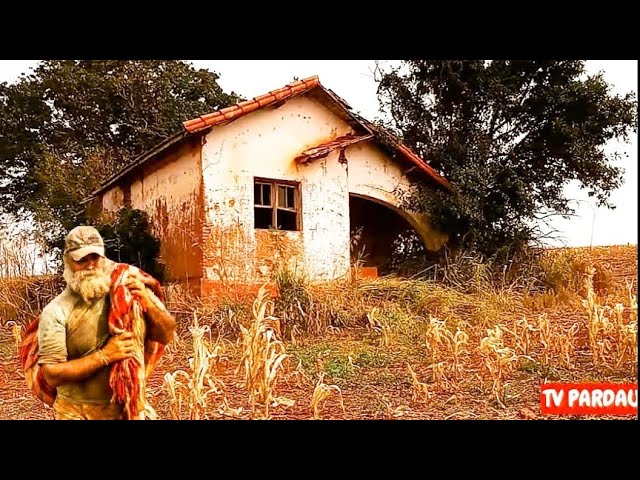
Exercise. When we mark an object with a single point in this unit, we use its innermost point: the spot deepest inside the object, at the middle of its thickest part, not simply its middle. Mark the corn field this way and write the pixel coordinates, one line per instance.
(375, 349)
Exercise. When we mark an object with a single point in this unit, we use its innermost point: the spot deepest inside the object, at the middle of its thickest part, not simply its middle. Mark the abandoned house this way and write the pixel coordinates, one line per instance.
(279, 181)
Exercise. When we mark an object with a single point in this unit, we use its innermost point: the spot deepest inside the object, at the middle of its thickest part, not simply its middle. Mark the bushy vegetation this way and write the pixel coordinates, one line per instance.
(128, 238)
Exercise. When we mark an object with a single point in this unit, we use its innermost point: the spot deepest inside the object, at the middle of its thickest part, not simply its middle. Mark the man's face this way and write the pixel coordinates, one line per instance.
(87, 277)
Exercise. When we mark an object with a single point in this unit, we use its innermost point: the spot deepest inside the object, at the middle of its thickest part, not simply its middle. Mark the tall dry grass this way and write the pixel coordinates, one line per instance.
(295, 303)
(459, 346)
(499, 324)
(20, 256)
(263, 354)
(379, 325)
(613, 330)
(420, 391)
(321, 394)
(189, 390)
(523, 332)
(17, 331)
(437, 340)
(498, 360)
(23, 298)
(480, 294)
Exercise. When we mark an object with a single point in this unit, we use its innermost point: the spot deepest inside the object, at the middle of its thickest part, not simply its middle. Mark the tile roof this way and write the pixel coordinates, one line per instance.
(388, 139)
(200, 124)
(248, 106)
(422, 165)
(297, 88)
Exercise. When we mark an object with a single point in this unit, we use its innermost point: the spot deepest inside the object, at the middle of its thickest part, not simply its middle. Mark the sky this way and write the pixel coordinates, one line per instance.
(353, 80)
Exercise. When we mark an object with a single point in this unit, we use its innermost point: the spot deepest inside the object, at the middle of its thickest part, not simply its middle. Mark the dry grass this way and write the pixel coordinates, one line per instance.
(438, 337)
(498, 360)
(564, 345)
(420, 390)
(459, 343)
(322, 393)
(380, 326)
(189, 390)
(613, 339)
(22, 299)
(546, 338)
(19, 254)
(508, 340)
(263, 354)
(522, 332)
(17, 331)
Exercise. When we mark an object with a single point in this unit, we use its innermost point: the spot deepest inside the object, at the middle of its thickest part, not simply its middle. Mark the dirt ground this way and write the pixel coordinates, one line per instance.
(373, 380)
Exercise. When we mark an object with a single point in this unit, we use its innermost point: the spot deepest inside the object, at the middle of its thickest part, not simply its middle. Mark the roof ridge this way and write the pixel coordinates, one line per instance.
(294, 88)
(228, 113)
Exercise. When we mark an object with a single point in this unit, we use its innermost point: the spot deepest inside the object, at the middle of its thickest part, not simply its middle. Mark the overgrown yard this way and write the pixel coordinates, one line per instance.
(384, 349)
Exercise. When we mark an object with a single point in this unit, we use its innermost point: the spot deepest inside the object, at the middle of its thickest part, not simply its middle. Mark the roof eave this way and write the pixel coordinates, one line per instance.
(141, 160)
(305, 157)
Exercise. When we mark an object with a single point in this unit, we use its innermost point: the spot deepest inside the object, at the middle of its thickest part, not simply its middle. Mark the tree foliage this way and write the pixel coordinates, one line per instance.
(509, 136)
(69, 125)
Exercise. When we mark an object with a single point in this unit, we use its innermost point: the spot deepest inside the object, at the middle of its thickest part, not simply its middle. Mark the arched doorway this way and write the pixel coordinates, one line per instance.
(381, 234)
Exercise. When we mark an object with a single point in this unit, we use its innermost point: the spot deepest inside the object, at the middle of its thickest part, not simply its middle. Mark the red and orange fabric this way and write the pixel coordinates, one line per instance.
(127, 377)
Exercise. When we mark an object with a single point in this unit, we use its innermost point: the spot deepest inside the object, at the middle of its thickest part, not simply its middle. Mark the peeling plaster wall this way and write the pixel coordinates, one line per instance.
(264, 144)
(374, 175)
(170, 191)
(112, 200)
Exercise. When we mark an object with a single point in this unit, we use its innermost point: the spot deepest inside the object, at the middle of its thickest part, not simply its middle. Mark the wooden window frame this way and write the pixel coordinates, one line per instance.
(274, 201)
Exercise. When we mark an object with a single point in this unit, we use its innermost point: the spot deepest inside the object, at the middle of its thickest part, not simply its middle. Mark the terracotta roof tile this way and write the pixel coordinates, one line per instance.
(249, 108)
(191, 124)
(242, 108)
(325, 148)
(262, 97)
(265, 101)
(422, 165)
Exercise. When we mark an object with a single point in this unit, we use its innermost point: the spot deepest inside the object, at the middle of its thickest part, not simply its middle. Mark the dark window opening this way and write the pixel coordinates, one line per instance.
(276, 205)
(262, 194)
(264, 218)
(286, 220)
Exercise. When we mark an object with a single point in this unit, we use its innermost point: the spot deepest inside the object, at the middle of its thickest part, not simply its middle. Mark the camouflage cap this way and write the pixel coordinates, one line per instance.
(83, 240)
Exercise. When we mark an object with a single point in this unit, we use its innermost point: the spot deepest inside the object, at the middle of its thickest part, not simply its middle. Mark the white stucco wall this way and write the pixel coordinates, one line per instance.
(264, 144)
(113, 200)
(373, 174)
(169, 190)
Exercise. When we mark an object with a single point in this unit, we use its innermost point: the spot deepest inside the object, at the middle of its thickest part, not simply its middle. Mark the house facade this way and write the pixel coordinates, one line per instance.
(277, 182)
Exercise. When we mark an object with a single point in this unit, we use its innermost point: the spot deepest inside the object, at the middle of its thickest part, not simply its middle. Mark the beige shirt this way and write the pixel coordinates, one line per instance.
(70, 328)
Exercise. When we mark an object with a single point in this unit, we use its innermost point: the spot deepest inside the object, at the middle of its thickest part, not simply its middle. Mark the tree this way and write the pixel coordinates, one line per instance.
(508, 135)
(71, 124)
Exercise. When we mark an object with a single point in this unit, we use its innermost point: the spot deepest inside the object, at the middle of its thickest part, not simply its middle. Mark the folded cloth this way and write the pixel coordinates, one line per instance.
(127, 377)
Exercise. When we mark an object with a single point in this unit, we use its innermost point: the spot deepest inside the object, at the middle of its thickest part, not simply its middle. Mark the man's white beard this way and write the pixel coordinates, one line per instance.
(91, 285)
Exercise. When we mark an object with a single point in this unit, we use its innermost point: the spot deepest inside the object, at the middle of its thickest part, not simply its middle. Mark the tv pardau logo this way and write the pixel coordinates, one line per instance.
(589, 399)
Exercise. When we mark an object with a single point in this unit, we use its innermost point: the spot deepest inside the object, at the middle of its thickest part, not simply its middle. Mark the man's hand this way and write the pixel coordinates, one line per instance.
(161, 324)
(119, 347)
(136, 286)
